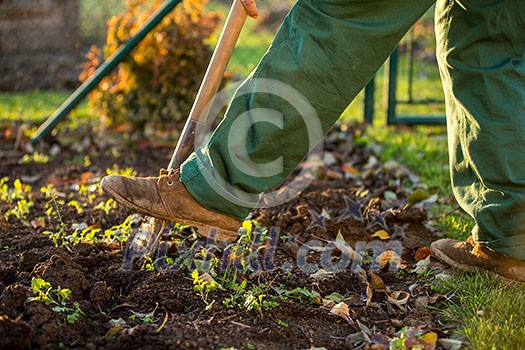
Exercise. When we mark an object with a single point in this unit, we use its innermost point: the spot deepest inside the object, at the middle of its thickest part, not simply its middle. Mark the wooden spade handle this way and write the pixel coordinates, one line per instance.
(211, 82)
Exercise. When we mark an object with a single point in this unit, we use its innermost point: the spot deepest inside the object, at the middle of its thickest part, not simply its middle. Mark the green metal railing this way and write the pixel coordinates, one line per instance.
(391, 82)
(83, 90)
(392, 102)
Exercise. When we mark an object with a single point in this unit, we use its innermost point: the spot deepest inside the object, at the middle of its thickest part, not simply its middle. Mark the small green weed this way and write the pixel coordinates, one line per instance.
(203, 285)
(67, 237)
(398, 343)
(21, 210)
(57, 298)
(89, 192)
(20, 195)
(255, 299)
(242, 253)
(144, 319)
(301, 294)
(107, 206)
(35, 157)
(19, 191)
(282, 323)
(118, 234)
(150, 264)
(76, 205)
(116, 170)
(83, 160)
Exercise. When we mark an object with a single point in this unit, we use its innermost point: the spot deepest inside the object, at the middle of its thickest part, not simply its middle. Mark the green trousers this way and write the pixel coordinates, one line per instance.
(328, 50)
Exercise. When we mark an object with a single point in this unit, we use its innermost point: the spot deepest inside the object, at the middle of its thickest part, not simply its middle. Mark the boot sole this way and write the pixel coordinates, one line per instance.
(449, 261)
(469, 268)
(220, 234)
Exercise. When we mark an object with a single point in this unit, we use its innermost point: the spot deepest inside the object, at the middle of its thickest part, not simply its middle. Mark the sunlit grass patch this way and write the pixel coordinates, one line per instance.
(36, 106)
(489, 312)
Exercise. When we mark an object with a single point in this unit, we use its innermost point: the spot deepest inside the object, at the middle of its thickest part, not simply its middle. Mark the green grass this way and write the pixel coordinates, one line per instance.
(489, 312)
(36, 106)
(32, 108)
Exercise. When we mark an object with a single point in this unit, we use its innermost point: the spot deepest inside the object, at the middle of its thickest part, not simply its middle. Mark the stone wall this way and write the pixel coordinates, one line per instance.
(39, 44)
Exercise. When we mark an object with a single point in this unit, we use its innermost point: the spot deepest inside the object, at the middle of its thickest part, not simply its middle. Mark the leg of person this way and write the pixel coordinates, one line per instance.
(323, 55)
(481, 53)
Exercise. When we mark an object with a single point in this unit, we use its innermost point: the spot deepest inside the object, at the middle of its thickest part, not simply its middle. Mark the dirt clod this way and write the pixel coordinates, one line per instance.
(60, 270)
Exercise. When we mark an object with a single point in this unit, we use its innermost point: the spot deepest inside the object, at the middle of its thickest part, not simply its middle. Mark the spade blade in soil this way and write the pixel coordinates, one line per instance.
(142, 242)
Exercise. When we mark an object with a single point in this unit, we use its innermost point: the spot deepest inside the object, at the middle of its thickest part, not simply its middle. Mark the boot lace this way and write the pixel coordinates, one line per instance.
(171, 174)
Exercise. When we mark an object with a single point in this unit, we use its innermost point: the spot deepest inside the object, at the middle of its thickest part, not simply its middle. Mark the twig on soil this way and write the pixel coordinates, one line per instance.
(163, 322)
(195, 326)
(207, 322)
(226, 318)
(263, 330)
(240, 324)
(338, 338)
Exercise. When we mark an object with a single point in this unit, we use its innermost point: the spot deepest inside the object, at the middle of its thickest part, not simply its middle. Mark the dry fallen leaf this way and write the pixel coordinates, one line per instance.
(390, 257)
(430, 338)
(399, 298)
(321, 274)
(341, 309)
(4, 226)
(423, 253)
(114, 331)
(381, 234)
(363, 328)
(328, 303)
(355, 300)
(422, 266)
(421, 301)
(118, 327)
(361, 274)
(206, 277)
(416, 343)
(377, 282)
(52, 179)
(347, 250)
(37, 223)
(380, 341)
(124, 127)
(436, 298)
(350, 170)
(396, 323)
(86, 177)
(369, 295)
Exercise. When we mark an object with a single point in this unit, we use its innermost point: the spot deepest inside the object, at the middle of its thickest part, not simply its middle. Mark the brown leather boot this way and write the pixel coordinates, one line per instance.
(165, 197)
(472, 256)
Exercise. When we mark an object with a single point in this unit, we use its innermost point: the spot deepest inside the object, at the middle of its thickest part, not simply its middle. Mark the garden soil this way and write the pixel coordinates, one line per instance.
(111, 298)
